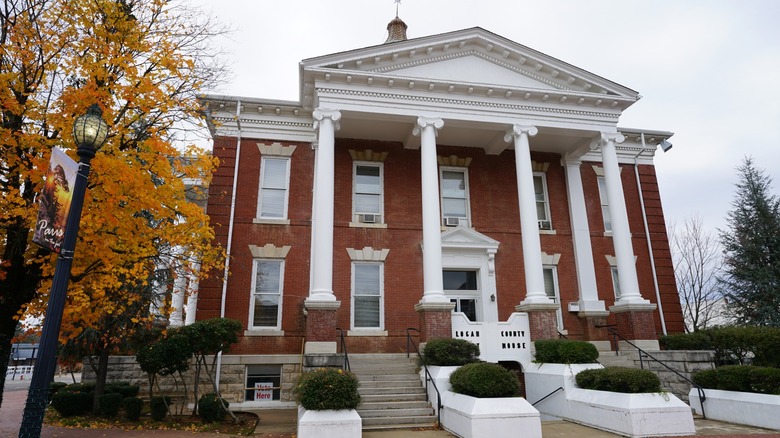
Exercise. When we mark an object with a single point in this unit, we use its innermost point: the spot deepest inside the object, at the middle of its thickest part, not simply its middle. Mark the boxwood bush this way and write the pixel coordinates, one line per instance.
(619, 379)
(110, 404)
(485, 380)
(210, 408)
(732, 345)
(71, 403)
(565, 351)
(743, 378)
(328, 388)
(124, 388)
(133, 407)
(450, 352)
(159, 407)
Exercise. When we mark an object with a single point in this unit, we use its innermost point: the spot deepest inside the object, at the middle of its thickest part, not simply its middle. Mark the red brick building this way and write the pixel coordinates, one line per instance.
(448, 184)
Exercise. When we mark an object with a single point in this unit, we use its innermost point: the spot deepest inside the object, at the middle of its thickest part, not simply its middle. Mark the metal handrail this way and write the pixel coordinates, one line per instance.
(560, 388)
(428, 377)
(612, 331)
(344, 348)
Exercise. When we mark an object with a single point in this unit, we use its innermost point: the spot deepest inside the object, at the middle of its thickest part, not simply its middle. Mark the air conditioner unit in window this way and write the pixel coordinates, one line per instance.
(451, 221)
(545, 225)
(369, 218)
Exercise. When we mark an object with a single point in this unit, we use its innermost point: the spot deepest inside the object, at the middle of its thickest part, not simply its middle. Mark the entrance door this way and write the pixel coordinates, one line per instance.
(462, 288)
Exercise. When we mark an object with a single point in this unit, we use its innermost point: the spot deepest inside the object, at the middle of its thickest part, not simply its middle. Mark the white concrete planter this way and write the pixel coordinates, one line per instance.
(760, 410)
(441, 377)
(470, 417)
(329, 424)
(635, 415)
(543, 378)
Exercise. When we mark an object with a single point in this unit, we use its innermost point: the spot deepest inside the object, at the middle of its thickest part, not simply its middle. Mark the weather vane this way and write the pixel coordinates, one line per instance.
(397, 2)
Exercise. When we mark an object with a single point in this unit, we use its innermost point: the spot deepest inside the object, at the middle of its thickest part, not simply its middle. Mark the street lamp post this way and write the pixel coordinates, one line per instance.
(90, 132)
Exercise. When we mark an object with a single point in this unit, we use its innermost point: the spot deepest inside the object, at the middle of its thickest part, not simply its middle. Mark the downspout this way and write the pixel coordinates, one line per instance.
(230, 234)
(647, 236)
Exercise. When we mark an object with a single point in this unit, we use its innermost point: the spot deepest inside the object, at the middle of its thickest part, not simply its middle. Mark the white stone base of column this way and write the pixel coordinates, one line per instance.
(321, 296)
(592, 308)
(435, 298)
(433, 306)
(312, 347)
(312, 303)
(541, 304)
(630, 306)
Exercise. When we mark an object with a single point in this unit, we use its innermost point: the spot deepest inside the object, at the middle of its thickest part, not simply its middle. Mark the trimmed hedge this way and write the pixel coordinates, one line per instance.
(328, 388)
(133, 407)
(743, 378)
(450, 352)
(210, 408)
(123, 388)
(485, 380)
(109, 404)
(619, 379)
(565, 351)
(54, 387)
(159, 407)
(71, 403)
(732, 345)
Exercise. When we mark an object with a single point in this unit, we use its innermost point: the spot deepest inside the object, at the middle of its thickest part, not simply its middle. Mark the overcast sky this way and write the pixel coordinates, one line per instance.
(707, 70)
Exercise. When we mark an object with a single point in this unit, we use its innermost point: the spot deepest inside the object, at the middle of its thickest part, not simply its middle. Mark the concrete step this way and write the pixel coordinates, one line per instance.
(609, 359)
(399, 422)
(395, 404)
(367, 378)
(389, 383)
(390, 427)
(393, 413)
(383, 398)
(391, 390)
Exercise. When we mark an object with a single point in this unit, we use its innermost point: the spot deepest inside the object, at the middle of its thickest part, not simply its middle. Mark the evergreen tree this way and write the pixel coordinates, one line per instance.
(751, 246)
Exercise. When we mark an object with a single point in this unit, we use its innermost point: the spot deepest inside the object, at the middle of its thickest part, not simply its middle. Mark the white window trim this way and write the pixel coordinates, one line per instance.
(465, 172)
(368, 331)
(557, 292)
(266, 331)
(604, 203)
(273, 220)
(355, 222)
(546, 193)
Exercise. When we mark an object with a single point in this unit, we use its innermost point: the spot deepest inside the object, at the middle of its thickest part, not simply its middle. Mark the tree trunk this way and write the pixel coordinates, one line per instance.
(100, 383)
(5, 356)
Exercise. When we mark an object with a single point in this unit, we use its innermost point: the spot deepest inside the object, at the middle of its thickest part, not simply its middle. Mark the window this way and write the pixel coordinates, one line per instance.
(461, 288)
(615, 281)
(265, 312)
(604, 204)
(367, 300)
(551, 289)
(367, 200)
(542, 202)
(454, 197)
(263, 383)
(274, 180)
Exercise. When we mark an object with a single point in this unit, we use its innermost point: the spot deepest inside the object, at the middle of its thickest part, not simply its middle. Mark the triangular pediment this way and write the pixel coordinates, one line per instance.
(464, 237)
(466, 57)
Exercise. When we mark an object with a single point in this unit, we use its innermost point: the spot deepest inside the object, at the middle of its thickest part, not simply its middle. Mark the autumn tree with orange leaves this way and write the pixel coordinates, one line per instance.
(143, 62)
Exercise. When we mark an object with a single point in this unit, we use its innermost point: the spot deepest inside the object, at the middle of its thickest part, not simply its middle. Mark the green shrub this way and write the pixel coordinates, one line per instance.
(733, 345)
(565, 351)
(485, 380)
(699, 340)
(71, 403)
(765, 380)
(159, 407)
(109, 404)
(210, 408)
(79, 387)
(124, 388)
(133, 407)
(54, 387)
(619, 379)
(328, 388)
(743, 378)
(450, 352)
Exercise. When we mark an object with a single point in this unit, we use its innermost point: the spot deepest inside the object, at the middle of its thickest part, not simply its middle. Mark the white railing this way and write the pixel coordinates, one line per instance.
(22, 372)
(498, 341)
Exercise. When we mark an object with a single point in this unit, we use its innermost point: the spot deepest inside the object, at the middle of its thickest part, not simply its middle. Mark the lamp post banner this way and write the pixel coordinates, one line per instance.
(54, 201)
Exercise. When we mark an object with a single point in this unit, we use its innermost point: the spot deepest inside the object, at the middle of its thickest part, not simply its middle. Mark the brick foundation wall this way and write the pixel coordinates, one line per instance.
(543, 324)
(636, 325)
(435, 324)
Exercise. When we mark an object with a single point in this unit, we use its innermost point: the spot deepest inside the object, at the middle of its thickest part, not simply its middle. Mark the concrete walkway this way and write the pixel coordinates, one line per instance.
(281, 423)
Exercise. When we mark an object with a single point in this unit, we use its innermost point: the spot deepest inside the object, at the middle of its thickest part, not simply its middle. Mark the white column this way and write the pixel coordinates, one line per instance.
(529, 226)
(177, 300)
(433, 283)
(621, 233)
(191, 309)
(326, 122)
(583, 253)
